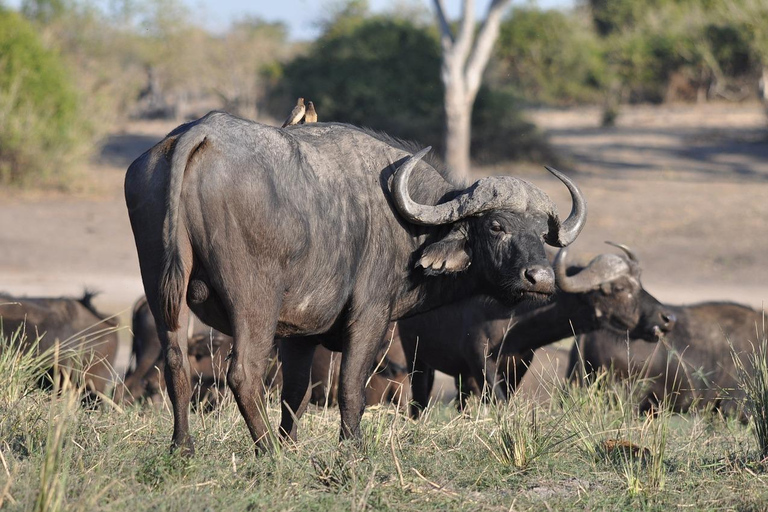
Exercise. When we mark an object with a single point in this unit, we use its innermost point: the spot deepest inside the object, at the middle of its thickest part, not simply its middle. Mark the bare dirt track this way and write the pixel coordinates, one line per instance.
(685, 186)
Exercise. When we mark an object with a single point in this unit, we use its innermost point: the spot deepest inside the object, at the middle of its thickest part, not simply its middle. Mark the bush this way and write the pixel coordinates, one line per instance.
(550, 57)
(39, 108)
(500, 132)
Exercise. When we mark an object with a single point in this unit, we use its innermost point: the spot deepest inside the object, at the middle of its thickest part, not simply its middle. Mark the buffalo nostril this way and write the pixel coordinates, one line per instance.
(669, 319)
(539, 275)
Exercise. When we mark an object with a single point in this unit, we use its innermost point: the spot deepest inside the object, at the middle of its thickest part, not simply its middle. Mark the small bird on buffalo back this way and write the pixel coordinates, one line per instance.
(296, 114)
(311, 114)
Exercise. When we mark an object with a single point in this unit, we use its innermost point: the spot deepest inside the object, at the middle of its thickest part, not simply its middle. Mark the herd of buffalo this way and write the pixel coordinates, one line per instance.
(293, 244)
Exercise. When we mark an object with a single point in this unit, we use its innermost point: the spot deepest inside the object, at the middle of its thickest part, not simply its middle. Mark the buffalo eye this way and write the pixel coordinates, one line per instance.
(618, 288)
(496, 227)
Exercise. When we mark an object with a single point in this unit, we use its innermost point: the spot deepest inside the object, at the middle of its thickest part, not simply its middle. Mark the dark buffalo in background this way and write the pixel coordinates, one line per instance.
(691, 366)
(208, 349)
(207, 352)
(389, 383)
(486, 345)
(86, 337)
(320, 229)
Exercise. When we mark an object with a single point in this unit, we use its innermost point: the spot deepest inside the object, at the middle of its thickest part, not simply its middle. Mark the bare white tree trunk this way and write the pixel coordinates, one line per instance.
(465, 57)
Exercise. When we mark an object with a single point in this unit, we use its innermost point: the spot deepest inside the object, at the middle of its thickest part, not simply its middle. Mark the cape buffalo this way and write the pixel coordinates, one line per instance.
(88, 339)
(692, 365)
(320, 228)
(485, 344)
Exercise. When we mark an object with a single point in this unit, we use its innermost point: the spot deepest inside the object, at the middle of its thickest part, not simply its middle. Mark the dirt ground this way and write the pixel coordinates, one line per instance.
(685, 186)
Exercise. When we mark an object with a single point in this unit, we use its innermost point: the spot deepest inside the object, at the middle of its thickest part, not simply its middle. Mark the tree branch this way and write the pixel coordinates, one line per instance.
(446, 35)
(466, 37)
(481, 52)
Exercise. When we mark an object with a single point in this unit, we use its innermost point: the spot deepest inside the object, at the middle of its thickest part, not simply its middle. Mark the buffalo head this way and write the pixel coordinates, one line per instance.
(498, 226)
(611, 285)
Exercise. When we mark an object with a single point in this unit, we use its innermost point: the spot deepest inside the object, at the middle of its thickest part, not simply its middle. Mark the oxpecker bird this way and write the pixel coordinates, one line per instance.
(311, 115)
(296, 114)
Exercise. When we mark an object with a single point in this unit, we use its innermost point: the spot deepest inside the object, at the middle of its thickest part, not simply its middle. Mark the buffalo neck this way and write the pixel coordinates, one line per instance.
(564, 317)
(435, 291)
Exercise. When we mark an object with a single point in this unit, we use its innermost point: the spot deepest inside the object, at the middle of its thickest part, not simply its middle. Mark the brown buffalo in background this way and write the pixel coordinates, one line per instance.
(208, 350)
(88, 339)
(692, 366)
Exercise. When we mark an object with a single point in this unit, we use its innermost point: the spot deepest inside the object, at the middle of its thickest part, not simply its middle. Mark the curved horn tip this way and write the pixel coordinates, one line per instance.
(576, 220)
(420, 154)
(629, 252)
(552, 170)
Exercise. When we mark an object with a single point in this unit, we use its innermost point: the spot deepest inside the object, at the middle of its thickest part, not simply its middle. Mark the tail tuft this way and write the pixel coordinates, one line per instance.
(172, 289)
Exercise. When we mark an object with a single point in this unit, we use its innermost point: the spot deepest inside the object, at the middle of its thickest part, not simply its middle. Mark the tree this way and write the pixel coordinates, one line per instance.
(464, 58)
(752, 18)
(40, 117)
(549, 57)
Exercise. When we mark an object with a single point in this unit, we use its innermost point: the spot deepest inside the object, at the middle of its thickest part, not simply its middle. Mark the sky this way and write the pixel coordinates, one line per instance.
(301, 16)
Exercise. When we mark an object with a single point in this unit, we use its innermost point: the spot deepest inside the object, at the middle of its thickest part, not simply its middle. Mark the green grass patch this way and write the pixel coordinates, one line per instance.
(57, 455)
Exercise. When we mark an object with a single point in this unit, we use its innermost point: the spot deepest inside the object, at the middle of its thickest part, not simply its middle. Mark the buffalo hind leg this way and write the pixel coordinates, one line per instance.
(362, 341)
(296, 356)
(253, 340)
(176, 373)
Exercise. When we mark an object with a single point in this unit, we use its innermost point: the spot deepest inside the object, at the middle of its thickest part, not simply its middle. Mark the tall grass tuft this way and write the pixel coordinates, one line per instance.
(519, 436)
(64, 404)
(753, 380)
(22, 365)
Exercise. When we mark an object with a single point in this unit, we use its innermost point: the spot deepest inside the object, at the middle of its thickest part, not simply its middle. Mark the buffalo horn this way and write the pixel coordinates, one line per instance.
(495, 192)
(629, 252)
(602, 269)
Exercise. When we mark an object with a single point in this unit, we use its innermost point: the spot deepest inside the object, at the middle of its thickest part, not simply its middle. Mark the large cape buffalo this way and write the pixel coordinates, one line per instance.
(320, 228)
(691, 366)
(485, 344)
(88, 339)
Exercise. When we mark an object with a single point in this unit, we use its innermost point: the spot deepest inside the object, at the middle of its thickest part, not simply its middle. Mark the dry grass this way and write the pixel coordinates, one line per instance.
(584, 448)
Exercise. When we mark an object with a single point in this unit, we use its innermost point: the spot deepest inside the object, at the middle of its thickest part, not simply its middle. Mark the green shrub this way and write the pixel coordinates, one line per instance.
(500, 132)
(550, 57)
(39, 108)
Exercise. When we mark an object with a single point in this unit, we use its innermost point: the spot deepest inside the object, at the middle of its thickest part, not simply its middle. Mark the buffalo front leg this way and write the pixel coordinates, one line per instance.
(176, 373)
(361, 344)
(296, 356)
(422, 378)
(421, 375)
(134, 382)
(253, 340)
(493, 384)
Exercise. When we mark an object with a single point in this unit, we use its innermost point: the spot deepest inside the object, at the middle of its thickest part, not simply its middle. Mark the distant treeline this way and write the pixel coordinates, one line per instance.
(69, 70)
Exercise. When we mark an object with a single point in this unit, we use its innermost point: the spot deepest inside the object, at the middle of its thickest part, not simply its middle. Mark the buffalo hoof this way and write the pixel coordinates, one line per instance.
(185, 448)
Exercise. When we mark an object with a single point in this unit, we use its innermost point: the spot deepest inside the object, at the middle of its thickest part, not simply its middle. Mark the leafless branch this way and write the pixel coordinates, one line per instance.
(445, 28)
(481, 52)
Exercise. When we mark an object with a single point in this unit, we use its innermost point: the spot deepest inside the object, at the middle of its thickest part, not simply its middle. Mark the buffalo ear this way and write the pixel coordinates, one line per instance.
(449, 255)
